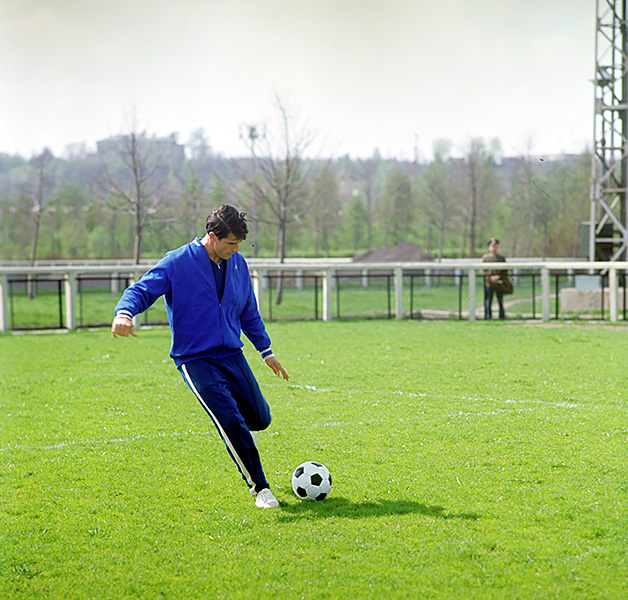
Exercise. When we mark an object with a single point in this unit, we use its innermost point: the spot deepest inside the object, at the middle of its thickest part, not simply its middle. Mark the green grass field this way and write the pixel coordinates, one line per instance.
(470, 460)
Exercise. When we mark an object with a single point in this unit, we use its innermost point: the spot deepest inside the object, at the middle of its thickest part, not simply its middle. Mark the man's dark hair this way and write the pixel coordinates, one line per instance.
(226, 221)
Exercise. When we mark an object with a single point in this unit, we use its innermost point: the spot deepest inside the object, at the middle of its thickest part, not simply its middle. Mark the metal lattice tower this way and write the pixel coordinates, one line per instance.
(608, 227)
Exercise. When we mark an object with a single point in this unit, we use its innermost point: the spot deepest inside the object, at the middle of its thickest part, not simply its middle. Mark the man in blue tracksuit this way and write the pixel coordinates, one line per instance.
(210, 301)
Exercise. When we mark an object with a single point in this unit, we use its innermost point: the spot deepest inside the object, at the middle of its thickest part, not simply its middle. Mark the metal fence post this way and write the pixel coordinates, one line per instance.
(258, 288)
(4, 304)
(399, 292)
(545, 293)
(328, 282)
(472, 274)
(428, 278)
(612, 290)
(70, 289)
(70, 278)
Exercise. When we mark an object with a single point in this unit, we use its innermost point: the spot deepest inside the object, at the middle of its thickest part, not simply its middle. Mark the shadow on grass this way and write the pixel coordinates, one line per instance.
(341, 507)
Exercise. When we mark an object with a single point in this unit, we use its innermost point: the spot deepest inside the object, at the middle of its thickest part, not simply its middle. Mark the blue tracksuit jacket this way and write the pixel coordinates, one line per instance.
(201, 326)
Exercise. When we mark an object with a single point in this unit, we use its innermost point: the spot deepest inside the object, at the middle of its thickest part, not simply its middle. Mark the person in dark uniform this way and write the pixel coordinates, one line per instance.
(493, 280)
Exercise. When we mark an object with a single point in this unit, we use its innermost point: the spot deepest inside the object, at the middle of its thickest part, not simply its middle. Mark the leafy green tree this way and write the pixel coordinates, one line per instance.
(438, 199)
(546, 205)
(16, 225)
(562, 199)
(192, 206)
(65, 222)
(545, 209)
(98, 242)
(324, 209)
(368, 169)
(5, 225)
(397, 212)
(102, 216)
(541, 214)
(574, 185)
(520, 217)
(355, 222)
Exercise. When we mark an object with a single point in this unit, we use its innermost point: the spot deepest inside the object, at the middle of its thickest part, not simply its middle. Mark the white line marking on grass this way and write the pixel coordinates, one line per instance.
(313, 388)
(140, 436)
(498, 411)
(309, 388)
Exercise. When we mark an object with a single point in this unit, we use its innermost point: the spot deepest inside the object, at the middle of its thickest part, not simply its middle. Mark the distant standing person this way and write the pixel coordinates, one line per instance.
(210, 301)
(493, 280)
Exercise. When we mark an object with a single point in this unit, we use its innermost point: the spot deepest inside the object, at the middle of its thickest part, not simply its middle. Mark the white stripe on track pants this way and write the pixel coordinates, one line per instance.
(230, 394)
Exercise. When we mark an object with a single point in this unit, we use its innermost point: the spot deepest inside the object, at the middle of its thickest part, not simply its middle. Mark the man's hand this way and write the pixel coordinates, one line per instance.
(278, 370)
(123, 326)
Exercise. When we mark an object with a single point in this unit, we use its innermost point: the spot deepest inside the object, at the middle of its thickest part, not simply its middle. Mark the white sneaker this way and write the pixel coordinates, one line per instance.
(265, 499)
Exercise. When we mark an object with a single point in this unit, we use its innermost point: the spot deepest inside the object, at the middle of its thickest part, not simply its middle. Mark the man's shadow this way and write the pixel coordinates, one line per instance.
(341, 507)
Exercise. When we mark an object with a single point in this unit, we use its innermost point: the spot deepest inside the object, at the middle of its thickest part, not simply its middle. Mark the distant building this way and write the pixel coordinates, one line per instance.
(166, 150)
(538, 164)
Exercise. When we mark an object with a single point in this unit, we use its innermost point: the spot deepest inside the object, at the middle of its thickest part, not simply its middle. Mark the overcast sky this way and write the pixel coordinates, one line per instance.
(360, 74)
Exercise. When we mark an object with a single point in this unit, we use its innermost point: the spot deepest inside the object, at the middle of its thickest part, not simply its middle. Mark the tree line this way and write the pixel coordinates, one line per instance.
(140, 195)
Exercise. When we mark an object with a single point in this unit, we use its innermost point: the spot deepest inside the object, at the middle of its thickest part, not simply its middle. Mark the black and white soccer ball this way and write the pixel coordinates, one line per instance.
(311, 481)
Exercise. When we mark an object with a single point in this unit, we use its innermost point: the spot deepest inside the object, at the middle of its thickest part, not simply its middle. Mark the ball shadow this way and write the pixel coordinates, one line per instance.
(341, 507)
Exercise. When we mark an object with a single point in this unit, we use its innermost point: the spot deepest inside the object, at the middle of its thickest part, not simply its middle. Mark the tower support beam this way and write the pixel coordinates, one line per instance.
(608, 224)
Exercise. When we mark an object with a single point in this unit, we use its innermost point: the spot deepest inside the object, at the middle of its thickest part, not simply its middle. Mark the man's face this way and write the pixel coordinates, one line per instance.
(226, 246)
(493, 248)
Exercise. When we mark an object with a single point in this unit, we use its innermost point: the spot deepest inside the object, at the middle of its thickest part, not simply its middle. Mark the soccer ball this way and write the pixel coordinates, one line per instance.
(311, 481)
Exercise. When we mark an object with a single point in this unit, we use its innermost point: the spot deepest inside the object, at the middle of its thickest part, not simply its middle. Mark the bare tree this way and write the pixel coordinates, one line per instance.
(40, 192)
(531, 203)
(481, 187)
(133, 176)
(198, 145)
(278, 177)
(521, 207)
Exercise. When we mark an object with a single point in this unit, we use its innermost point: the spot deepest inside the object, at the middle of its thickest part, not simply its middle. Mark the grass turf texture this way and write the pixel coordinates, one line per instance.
(469, 461)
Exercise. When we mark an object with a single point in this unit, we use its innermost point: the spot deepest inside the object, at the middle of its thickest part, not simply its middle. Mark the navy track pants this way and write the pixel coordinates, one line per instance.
(489, 292)
(230, 394)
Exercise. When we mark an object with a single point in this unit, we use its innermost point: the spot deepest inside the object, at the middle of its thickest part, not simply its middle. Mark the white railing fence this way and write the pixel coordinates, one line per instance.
(327, 271)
